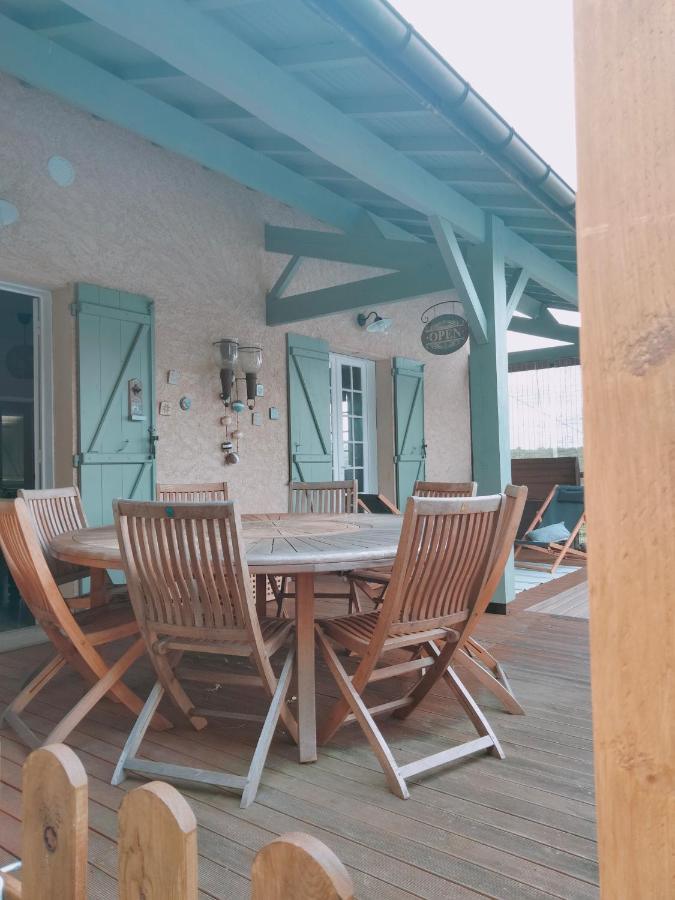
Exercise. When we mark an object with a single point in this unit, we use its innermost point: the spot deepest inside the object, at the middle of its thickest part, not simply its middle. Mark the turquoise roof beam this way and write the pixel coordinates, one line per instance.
(516, 295)
(545, 326)
(355, 294)
(520, 359)
(450, 251)
(173, 30)
(544, 270)
(349, 248)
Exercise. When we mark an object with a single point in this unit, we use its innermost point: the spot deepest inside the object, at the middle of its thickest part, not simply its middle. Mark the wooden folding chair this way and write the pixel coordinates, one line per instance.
(565, 503)
(76, 640)
(55, 511)
(206, 492)
(374, 582)
(320, 498)
(451, 556)
(189, 585)
(201, 492)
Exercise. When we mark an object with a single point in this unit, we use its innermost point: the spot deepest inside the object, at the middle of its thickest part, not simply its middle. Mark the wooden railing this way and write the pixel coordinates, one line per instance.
(157, 847)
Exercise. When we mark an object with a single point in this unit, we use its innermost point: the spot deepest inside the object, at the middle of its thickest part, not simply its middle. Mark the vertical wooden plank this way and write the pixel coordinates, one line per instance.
(409, 444)
(488, 379)
(309, 433)
(296, 866)
(306, 687)
(157, 845)
(625, 71)
(54, 835)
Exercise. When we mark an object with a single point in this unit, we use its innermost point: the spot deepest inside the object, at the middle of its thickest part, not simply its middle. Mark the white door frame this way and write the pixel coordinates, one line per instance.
(369, 409)
(42, 380)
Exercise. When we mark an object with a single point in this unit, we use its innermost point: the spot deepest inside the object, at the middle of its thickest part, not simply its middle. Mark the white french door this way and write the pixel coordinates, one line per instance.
(353, 421)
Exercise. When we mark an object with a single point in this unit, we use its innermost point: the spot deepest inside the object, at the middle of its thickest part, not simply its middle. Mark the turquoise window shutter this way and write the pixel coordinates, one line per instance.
(409, 443)
(115, 344)
(310, 448)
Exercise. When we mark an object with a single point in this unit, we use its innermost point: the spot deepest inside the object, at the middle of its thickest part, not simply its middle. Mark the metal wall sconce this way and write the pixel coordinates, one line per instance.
(227, 352)
(231, 357)
(379, 324)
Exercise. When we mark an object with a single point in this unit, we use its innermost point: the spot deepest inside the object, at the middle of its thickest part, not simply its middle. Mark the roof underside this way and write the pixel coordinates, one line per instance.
(345, 69)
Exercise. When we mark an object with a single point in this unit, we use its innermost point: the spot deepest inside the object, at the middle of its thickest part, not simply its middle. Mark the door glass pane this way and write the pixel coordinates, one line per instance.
(358, 454)
(357, 404)
(346, 376)
(356, 378)
(357, 429)
(17, 428)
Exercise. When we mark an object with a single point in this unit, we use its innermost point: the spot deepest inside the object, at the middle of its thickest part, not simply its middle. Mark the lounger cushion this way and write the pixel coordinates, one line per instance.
(549, 534)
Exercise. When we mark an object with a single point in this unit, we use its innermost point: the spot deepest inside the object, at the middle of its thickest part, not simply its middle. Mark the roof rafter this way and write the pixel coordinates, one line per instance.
(44, 64)
(236, 71)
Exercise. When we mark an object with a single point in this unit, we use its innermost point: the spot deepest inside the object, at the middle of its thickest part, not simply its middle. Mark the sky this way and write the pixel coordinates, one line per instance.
(518, 55)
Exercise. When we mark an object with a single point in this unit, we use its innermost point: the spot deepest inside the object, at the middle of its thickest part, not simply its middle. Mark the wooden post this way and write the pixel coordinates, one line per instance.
(625, 70)
(54, 836)
(488, 381)
(296, 866)
(157, 845)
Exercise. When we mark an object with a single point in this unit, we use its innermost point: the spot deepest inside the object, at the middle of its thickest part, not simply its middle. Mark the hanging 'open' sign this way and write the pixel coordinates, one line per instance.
(445, 334)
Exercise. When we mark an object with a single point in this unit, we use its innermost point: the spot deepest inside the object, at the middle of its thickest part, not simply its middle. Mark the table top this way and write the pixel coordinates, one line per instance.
(275, 543)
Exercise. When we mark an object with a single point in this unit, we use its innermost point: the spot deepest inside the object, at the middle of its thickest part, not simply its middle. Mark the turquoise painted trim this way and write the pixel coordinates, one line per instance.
(46, 65)
(543, 355)
(173, 32)
(516, 294)
(488, 380)
(544, 270)
(529, 306)
(310, 449)
(282, 282)
(451, 253)
(409, 442)
(545, 326)
(356, 294)
(355, 248)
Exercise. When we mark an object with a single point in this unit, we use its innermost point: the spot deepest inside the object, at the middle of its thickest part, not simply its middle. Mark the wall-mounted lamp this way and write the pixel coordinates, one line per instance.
(250, 361)
(227, 352)
(379, 324)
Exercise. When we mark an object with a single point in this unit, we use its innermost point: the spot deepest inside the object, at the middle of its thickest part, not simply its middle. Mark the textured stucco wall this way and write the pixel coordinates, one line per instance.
(140, 219)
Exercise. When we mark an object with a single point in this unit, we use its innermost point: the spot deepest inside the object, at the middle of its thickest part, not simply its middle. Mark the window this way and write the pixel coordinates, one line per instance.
(353, 421)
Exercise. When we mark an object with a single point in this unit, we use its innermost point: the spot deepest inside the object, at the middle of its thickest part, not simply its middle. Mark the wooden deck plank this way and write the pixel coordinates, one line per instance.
(518, 828)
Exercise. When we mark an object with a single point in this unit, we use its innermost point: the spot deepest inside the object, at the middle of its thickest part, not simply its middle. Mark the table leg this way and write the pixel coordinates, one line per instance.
(97, 587)
(304, 637)
(261, 595)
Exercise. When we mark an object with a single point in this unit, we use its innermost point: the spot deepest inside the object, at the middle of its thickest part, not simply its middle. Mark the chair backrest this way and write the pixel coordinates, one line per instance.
(566, 505)
(445, 489)
(21, 546)
(54, 512)
(192, 493)
(322, 497)
(450, 558)
(186, 570)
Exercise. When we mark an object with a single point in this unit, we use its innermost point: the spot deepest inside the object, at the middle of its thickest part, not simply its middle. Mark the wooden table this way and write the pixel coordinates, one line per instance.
(278, 544)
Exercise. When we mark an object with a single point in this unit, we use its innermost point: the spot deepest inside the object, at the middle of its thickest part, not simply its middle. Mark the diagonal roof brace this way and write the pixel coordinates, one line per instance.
(460, 277)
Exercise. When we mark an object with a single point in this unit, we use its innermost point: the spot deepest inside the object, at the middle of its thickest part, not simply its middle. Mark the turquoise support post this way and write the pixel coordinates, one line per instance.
(488, 379)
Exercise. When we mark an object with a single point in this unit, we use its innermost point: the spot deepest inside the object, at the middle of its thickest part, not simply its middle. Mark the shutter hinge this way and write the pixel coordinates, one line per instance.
(77, 460)
(74, 308)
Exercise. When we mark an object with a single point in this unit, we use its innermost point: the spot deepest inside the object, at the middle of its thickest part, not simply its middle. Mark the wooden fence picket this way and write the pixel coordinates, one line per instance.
(157, 847)
(297, 866)
(55, 823)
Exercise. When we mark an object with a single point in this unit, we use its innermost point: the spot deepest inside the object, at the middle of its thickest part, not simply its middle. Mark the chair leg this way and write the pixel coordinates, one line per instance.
(175, 691)
(94, 694)
(28, 692)
(137, 733)
(473, 711)
(267, 733)
(373, 734)
(489, 672)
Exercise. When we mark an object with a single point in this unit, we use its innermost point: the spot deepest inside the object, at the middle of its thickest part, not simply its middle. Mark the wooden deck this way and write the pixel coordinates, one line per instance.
(518, 828)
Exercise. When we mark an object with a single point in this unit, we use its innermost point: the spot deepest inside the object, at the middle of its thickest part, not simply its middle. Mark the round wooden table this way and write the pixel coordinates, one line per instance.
(278, 544)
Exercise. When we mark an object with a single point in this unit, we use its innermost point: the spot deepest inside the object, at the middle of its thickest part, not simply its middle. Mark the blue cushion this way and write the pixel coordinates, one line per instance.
(549, 534)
